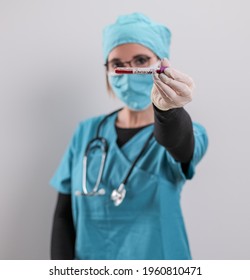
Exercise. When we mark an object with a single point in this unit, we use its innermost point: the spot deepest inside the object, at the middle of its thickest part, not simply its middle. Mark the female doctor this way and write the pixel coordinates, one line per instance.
(121, 177)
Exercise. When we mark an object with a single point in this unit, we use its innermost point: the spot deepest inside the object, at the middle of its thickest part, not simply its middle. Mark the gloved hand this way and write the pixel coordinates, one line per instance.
(172, 89)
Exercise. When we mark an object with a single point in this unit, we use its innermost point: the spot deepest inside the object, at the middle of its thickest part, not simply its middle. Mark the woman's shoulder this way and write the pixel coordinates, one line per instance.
(87, 128)
(91, 121)
(199, 129)
(90, 124)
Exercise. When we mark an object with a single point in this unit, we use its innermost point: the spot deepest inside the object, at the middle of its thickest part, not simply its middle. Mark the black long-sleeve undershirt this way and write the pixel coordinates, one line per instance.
(172, 129)
(63, 231)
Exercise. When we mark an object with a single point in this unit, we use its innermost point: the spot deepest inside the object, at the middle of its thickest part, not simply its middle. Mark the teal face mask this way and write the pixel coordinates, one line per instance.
(134, 90)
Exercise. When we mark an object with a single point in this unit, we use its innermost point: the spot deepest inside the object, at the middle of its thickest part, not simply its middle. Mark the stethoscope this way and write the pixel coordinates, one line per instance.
(117, 195)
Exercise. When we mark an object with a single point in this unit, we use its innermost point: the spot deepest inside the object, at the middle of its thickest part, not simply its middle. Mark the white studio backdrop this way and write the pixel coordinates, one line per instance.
(52, 77)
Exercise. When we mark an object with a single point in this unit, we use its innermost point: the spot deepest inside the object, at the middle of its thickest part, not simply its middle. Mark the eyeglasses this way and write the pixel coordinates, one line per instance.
(136, 61)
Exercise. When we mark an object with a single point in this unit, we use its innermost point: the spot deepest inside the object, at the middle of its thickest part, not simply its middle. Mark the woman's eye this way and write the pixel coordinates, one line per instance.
(117, 64)
(141, 61)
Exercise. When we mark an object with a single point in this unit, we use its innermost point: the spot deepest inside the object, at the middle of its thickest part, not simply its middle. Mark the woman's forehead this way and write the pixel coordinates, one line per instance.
(128, 51)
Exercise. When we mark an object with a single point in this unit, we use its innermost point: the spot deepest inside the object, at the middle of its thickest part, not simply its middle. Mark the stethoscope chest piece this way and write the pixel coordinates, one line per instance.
(118, 195)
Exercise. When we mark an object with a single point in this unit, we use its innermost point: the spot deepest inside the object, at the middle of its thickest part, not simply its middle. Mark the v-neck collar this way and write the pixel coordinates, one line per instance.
(132, 147)
(125, 134)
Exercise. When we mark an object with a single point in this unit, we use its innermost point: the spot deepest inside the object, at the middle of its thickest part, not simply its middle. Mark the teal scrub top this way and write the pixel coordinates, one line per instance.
(149, 222)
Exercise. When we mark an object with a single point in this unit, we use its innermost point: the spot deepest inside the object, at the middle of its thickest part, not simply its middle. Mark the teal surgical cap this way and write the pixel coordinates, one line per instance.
(137, 28)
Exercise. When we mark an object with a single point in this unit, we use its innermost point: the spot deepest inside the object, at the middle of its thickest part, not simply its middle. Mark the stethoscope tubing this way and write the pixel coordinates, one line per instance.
(118, 194)
(104, 147)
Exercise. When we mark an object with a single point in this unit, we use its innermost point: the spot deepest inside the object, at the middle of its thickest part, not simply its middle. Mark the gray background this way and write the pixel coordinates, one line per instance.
(52, 76)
